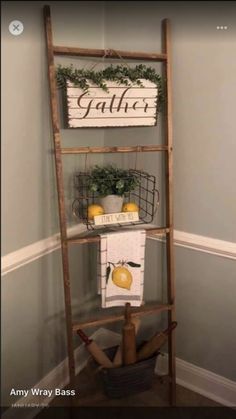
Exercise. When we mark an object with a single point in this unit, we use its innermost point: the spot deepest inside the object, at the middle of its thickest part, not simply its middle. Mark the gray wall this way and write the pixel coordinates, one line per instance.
(29, 204)
(204, 90)
(33, 326)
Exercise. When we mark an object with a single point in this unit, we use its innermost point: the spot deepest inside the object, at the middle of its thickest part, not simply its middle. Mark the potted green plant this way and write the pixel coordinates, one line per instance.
(111, 184)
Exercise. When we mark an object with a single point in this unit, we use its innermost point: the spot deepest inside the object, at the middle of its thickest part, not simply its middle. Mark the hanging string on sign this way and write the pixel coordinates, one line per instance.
(106, 54)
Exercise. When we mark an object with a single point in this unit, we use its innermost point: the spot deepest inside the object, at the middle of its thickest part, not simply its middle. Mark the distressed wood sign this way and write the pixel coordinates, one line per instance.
(116, 218)
(121, 106)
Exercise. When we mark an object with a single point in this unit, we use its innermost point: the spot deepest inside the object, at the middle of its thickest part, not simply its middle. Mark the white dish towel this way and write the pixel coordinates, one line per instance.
(121, 268)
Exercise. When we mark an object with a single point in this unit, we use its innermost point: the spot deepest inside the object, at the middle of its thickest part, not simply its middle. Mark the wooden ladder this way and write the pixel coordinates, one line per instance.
(71, 327)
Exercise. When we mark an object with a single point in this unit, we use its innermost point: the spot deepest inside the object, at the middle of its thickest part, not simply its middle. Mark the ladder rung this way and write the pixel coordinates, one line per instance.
(144, 310)
(88, 52)
(95, 239)
(133, 149)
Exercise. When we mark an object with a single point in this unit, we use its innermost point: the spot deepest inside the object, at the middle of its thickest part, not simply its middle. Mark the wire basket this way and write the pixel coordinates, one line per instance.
(145, 195)
(127, 380)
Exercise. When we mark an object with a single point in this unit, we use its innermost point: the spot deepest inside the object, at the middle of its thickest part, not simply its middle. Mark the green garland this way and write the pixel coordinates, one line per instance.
(121, 74)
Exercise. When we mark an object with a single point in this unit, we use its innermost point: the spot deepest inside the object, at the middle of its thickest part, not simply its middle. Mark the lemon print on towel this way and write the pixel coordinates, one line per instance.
(121, 275)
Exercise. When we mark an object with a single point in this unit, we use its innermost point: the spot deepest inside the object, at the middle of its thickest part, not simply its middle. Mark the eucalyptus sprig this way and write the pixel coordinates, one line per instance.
(120, 73)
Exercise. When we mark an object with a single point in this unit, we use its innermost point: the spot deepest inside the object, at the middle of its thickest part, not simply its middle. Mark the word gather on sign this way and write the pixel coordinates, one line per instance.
(121, 106)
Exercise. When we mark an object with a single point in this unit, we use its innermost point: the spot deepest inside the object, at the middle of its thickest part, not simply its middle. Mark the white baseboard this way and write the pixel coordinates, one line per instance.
(199, 380)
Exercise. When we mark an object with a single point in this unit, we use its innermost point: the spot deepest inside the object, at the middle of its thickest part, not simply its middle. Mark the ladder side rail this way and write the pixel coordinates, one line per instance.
(169, 211)
(60, 190)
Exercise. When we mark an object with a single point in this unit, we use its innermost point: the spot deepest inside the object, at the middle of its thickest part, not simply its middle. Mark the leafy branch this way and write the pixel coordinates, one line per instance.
(120, 74)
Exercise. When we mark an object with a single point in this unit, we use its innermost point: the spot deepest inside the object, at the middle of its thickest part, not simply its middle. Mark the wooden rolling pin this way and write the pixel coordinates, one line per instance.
(96, 352)
(117, 361)
(128, 339)
(152, 346)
